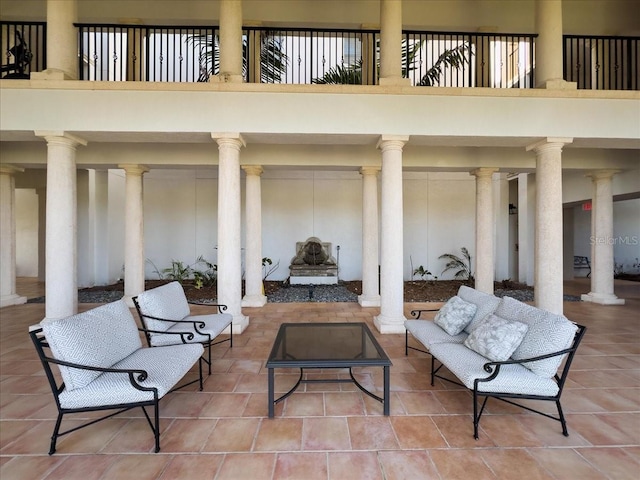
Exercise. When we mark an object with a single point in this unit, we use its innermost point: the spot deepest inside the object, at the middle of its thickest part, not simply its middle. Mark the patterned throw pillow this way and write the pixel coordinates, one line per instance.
(455, 315)
(496, 338)
(548, 333)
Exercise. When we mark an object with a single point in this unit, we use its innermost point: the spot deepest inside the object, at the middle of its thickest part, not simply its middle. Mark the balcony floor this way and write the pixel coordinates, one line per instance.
(333, 431)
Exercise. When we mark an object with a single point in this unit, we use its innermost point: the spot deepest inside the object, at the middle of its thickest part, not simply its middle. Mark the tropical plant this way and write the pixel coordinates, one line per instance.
(461, 265)
(268, 267)
(178, 271)
(273, 60)
(352, 74)
(206, 277)
(423, 272)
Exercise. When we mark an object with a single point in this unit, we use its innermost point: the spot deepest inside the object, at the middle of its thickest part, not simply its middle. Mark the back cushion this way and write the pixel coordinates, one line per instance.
(98, 338)
(167, 301)
(548, 333)
(484, 302)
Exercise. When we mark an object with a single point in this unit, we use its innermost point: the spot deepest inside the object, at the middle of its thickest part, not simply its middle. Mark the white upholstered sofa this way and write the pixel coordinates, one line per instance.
(498, 347)
(103, 365)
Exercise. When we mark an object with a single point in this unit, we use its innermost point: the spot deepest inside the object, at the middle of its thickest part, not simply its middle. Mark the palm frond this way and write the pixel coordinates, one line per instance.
(454, 58)
(342, 75)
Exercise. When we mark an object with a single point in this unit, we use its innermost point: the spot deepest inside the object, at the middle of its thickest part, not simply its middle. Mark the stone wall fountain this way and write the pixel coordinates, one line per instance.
(313, 264)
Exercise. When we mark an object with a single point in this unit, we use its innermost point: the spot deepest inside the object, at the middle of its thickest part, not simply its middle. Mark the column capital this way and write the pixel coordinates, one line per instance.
(61, 137)
(549, 143)
(229, 138)
(7, 169)
(370, 170)
(392, 142)
(134, 169)
(483, 171)
(252, 169)
(601, 174)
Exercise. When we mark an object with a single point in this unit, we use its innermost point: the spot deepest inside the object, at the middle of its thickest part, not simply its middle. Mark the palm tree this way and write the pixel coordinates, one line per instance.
(273, 60)
(352, 74)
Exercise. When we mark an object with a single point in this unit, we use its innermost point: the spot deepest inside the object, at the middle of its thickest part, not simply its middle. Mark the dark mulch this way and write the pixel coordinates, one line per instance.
(347, 291)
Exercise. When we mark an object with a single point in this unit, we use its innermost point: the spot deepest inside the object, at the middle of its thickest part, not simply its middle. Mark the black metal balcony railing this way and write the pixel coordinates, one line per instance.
(602, 62)
(305, 56)
(469, 59)
(144, 53)
(23, 47)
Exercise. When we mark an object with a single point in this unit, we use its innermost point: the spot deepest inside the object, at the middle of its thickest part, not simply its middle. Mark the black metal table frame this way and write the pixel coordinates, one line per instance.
(384, 362)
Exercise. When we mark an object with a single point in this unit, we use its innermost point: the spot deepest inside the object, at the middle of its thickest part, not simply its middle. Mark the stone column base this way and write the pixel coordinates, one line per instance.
(51, 74)
(389, 325)
(558, 84)
(602, 298)
(254, 301)
(13, 299)
(394, 81)
(369, 300)
(239, 324)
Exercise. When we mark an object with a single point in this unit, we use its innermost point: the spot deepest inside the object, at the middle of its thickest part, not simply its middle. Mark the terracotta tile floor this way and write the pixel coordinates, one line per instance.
(333, 431)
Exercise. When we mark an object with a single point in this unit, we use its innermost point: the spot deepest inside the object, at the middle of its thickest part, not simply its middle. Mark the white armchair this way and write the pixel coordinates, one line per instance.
(166, 319)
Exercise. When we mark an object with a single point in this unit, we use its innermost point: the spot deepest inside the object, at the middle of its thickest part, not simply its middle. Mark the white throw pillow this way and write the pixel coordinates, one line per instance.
(455, 315)
(496, 338)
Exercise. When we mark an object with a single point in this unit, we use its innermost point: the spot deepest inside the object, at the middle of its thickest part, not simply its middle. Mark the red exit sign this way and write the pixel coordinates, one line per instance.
(586, 206)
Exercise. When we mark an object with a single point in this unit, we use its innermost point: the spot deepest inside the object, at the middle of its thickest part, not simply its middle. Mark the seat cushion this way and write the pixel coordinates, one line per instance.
(428, 333)
(484, 302)
(99, 337)
(214, 324)
(548, 333)
(467, 366)
(455, 315)
(165, 367)
(166, 301)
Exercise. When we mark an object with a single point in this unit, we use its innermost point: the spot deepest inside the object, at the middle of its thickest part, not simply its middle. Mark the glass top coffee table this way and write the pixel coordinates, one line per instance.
(326, 345)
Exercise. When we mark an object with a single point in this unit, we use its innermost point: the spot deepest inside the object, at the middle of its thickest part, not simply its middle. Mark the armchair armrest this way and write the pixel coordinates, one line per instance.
(135, 375)
(186, 337)
(221, 307)
(417, 313)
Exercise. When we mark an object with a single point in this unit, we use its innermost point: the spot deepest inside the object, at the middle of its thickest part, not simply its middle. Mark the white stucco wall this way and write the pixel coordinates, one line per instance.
(26, 232)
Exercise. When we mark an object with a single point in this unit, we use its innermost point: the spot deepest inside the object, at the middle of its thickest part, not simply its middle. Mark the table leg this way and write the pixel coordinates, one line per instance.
(386, 391)
(271, 393)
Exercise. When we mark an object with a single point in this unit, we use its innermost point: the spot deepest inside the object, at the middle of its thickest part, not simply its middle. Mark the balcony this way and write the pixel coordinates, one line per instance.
(323, 56)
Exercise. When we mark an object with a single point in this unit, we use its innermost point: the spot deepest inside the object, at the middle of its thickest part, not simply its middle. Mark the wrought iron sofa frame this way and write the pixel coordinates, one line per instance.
(135, 376)
(493, 369)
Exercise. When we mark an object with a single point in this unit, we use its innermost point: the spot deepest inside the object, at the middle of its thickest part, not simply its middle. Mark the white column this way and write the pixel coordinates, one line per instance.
(602, 240)
(391, 318)
(133, 231)
(548, 20)
(485, 220)
(230, 41)
(548, 224)
(42, 233)
(525, 229)
(229, 227)
(391, 43)
(62, 41)
(254, 294)
(8, 295)
(370, 292)
(61, 271)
